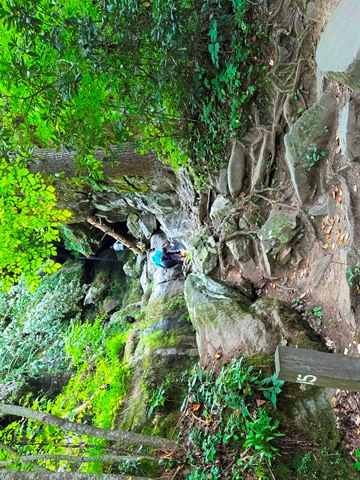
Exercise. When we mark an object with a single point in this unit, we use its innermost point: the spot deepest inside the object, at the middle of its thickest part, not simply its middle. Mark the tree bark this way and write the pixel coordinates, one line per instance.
(16, 475)
(126, 438)
(104, 228)
(126, 173)
(74, 459)
(124, 162)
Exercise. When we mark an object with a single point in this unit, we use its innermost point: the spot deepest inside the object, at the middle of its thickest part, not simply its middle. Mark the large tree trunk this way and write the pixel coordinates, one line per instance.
(126, 174)
(118, 162)
(126, 438)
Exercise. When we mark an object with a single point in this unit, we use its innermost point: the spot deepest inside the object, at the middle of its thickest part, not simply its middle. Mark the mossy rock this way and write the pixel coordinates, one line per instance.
(310, 463)
(228, 323)
(203, 252)
(314, 129)
(162, 347)
(305, 412)
(280, 228)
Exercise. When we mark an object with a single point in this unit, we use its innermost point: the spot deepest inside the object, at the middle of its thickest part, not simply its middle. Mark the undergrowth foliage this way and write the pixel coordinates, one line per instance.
(227, 77)
(93, 395)
(100, 381)
(228, 433)
(33, 325)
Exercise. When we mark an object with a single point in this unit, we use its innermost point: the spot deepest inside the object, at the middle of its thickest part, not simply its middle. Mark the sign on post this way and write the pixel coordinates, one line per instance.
(309, 367)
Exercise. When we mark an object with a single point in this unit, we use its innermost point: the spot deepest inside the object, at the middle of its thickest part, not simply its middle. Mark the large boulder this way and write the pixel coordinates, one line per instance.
(132, 223)
(306, 141)
(349, 131)
(147, 225)
(227, 324)
(220, 209)
(220, 182)
(160, 347)
(176, 225)
(338, 52)
(203, 252)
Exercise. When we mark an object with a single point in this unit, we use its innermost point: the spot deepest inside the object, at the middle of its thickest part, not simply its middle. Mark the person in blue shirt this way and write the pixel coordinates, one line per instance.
(168, 257)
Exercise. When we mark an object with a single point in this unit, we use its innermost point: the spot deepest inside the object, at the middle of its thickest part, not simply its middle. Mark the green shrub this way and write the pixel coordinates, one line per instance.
(33, 325)
(94, 394)
(230, 434)
(171, 75)
(101, 377)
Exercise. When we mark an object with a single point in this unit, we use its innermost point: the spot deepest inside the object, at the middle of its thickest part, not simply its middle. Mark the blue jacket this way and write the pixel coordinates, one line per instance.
(156, 258)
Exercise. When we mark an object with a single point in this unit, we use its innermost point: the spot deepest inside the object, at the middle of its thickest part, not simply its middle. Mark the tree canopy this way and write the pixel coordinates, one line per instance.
(163, 73)
(83, 74)
(169, 76)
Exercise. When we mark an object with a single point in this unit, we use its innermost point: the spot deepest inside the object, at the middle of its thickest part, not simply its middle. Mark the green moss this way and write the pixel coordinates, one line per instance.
(163, 327)
(261, 362)
(176, 304)
(172, 302)
(304, 131)
(130, 184)
(160, 372)
(306, 413)
(321, 464)
(160, 339)
(133, 293)
(280, 225)
(300, 333)
(76, 244)
(208, 317)
(164, 424)
(133, 414)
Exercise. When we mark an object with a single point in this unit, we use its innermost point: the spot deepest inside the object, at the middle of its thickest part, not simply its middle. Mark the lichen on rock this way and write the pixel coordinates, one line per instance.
(228, 323)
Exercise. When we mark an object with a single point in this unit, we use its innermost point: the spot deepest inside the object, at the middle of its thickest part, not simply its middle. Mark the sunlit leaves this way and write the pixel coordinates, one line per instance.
(223, 409)
(28, 222)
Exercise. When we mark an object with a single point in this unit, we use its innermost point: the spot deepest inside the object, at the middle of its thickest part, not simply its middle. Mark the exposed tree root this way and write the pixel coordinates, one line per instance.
(346, 203)
(277, 11)
(310, 232)
(284, 83)
(262, 259)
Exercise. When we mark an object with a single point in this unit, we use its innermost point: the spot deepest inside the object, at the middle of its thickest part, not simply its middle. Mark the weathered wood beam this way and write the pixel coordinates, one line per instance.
(310, 367)
(106, 229)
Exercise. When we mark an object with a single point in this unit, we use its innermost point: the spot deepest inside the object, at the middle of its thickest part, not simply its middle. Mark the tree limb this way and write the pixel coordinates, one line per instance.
(106, 229)
(126, 438)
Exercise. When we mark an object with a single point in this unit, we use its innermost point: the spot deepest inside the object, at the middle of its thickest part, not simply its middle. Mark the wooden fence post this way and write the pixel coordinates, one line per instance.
(311, 367)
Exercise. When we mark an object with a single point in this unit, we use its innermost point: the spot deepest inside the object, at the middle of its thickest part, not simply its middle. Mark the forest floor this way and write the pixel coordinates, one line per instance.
(328, 235)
